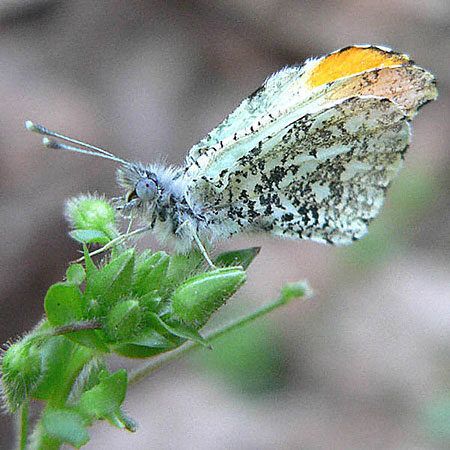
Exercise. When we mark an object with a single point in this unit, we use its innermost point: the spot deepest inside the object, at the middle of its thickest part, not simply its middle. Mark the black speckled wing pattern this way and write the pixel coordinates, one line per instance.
(302, 158)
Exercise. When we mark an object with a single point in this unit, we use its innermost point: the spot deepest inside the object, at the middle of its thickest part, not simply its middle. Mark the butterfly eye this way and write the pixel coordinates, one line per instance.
(146, 189)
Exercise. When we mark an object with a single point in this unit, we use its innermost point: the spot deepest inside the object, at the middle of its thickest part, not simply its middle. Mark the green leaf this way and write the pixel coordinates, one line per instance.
(91, 268)
(147, 344)
(139, 351)
(61, 358)
(63, 304)
(94, 339)
(182, 267)
(152, 321)
(88, 377)
(196, 299)
(150, 272)
(241, 258)
(185, 332)
(56, 355)
(150, 302)
(90, 236)
(142, 257)
(111, 282)
(105, 399)
(123, 320)
(153, 339)
(156, 339)
(65, 425)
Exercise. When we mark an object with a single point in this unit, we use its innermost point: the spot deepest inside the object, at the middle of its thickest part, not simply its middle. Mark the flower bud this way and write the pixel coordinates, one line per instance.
(197, 298)
(21, 372)
(93, 219)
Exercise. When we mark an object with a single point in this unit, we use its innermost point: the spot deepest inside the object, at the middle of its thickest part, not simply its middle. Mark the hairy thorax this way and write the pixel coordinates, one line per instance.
(167, 210)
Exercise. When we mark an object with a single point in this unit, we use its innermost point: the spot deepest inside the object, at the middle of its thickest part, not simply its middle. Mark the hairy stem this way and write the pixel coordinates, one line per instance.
(159, 361)
(23, 425)
(76, 326)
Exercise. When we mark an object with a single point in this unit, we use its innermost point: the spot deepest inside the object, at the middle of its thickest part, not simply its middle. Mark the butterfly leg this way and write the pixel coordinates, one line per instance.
(197, 240)
(116, 241)
(203, 250)
(130, 223)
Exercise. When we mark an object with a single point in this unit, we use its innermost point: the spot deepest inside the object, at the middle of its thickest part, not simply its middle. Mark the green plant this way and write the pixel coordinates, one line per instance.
(140, 305)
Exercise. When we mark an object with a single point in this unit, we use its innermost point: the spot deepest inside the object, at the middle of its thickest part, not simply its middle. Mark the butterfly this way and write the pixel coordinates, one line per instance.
(309, 155)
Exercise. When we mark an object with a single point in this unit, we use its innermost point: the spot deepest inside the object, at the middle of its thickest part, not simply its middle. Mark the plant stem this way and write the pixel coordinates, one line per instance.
(159, 361)
(76, 326)
(23, 425)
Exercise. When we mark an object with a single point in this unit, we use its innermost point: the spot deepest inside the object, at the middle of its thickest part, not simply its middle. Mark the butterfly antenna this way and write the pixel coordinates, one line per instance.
(88, 149)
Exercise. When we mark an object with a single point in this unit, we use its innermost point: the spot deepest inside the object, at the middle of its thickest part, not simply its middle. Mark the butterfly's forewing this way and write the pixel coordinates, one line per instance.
(295, 91)
(409, 86)
(322, 178)
(312, 152)
(242, 128)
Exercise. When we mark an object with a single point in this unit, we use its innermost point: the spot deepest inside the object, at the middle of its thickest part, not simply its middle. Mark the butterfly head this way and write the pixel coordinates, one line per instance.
(140, 183)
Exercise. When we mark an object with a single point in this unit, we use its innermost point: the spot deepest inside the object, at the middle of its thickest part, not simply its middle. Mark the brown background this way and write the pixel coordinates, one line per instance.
(362, 365)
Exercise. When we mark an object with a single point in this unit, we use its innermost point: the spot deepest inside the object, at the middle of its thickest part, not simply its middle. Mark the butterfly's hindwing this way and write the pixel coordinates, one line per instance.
(322, 177)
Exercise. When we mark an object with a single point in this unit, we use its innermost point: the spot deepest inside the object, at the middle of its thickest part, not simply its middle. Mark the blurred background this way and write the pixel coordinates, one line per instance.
(362, 365)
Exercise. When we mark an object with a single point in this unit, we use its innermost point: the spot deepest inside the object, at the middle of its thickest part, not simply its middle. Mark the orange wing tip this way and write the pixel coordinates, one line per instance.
(352, 60)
